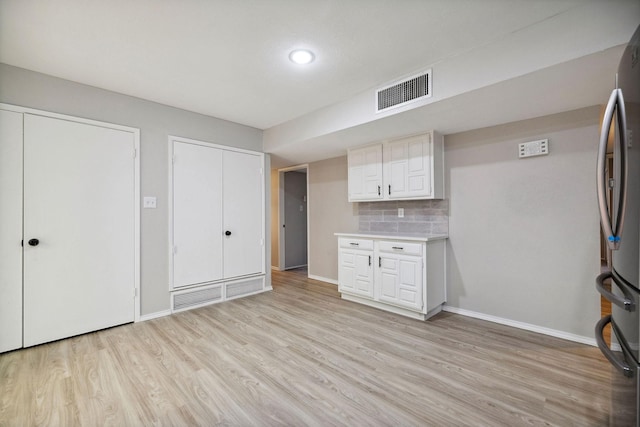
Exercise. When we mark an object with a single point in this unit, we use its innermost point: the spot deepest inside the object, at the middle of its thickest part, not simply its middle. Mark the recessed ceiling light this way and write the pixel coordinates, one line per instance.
(302, 56)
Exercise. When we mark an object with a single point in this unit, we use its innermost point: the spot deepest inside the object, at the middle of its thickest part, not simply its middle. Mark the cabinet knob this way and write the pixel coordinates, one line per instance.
(33, 242)
(227, 233)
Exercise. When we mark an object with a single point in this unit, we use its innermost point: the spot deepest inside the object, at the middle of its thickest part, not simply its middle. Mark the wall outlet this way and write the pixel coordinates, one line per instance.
(400, 212)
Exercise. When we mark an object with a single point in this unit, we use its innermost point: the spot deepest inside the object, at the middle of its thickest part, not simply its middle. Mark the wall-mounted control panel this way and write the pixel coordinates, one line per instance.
(533, 148)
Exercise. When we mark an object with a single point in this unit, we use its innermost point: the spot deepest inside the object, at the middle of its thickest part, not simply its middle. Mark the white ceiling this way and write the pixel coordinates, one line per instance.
(229, 59)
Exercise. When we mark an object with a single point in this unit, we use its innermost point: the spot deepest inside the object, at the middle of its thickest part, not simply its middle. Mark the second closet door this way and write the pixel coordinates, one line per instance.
(242, 207)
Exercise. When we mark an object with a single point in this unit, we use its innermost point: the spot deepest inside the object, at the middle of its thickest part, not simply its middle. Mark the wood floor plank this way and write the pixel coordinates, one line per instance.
(302, 356)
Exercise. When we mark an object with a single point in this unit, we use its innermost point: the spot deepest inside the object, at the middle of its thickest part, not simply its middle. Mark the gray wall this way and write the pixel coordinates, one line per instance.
(524, 233)
(156, 122)
(329, 212)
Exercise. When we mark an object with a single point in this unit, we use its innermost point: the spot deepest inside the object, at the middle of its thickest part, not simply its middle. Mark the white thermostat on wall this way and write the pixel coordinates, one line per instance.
(533, 148)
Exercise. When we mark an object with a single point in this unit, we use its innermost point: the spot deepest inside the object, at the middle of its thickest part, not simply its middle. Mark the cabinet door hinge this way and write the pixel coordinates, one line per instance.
(175, 250)
(135, 153)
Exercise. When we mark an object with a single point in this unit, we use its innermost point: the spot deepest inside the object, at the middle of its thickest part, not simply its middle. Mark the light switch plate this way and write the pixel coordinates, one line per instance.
(149, 203)
(400, 212)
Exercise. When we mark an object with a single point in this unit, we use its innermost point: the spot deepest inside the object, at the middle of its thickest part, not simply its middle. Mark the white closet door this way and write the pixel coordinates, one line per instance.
(242, 207)
(10, 230)
(197, 214)
(79, 202)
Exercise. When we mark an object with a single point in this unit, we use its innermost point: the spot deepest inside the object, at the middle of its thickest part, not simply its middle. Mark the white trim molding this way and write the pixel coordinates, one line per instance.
(323, 279)
(522, 325)
(155, 315)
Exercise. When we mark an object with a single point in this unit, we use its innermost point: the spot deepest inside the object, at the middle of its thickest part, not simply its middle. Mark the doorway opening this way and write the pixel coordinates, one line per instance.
(293, 217)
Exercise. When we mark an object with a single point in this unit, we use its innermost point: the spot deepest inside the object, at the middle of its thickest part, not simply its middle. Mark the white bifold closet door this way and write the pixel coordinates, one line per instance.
(217, 211)
(79, 228)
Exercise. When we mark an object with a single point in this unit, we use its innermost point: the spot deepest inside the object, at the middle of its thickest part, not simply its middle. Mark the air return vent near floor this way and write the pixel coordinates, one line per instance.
(198, 297)
(404, 92)
(245, 287)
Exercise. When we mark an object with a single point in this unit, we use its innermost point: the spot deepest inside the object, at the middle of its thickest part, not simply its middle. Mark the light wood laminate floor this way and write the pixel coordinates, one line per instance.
(301, 356)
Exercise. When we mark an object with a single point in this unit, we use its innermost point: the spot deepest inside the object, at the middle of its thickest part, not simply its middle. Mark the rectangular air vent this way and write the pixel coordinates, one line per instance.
(199, 297)
(404, 92)
(245, 287)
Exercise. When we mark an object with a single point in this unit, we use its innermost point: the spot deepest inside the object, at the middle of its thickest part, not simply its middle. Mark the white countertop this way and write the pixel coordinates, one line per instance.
(420, 237)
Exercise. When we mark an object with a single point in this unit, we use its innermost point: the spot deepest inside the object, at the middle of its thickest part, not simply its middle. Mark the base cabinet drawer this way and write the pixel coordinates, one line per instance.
(406, 248)
(404, 277)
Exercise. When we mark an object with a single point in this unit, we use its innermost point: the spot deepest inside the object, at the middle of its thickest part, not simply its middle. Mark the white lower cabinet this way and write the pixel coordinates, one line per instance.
(400, 278)
(405, 277)
(355, 266)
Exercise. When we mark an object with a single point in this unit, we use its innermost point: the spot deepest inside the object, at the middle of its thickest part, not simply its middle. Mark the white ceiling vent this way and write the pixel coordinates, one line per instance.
(401, 93)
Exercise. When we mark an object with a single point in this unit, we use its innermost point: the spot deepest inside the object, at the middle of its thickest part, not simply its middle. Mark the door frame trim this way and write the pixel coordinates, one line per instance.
(281, 242)
(136, 142)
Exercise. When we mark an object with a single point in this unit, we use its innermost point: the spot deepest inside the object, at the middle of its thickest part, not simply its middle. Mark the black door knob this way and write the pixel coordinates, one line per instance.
(34, 242)
(227, 233)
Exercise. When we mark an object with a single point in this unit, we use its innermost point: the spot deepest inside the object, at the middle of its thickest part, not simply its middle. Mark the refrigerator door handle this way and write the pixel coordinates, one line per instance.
(601, 171)
(625, 303)
(613, 236)
(624, 150)
(604, 348)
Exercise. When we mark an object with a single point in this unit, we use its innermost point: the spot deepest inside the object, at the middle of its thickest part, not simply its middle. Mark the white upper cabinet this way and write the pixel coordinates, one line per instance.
(408, 168)
(365, 173)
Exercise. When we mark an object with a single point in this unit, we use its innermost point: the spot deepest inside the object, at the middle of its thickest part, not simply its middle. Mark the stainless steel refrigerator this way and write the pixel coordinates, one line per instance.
(620, 219)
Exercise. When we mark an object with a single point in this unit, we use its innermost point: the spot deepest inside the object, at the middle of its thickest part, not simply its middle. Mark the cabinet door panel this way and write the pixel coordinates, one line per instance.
(346, 271)
(365, 173)
(355, 273)
(408, 167)
(401, 280)
(197, 214)
(243, 214)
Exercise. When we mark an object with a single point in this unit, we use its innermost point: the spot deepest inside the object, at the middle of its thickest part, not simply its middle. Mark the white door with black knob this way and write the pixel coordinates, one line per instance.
(242, 213)
(79, 228)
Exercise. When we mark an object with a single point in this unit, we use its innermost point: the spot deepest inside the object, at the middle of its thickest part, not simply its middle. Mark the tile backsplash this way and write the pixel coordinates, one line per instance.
(425, 216)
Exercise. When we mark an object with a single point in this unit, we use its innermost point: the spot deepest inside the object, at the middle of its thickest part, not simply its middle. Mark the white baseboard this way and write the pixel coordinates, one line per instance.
(155, 315)
(323, 279)
(295, 266)
(522, 325)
